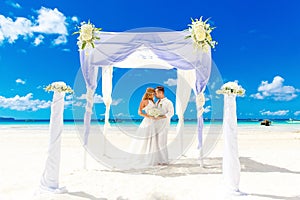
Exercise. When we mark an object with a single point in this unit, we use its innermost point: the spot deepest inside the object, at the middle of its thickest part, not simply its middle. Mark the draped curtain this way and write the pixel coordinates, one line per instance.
(164, 49)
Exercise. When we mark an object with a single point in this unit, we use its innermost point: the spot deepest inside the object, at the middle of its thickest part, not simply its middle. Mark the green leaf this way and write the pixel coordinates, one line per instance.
(83, 45)
(77, 32)
(186, 37)
(93, 45)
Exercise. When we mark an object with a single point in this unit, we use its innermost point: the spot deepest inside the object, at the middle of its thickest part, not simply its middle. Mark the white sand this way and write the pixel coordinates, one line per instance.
(270, 159)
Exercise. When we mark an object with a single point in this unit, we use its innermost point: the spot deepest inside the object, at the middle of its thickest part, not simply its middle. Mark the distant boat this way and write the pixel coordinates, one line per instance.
(265, 122)
(293, 121)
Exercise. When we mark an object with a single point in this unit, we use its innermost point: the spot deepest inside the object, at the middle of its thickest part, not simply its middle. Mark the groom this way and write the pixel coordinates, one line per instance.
(163, 123)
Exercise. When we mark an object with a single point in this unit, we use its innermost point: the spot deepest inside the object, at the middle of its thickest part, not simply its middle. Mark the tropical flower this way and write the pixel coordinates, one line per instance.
(201, 34)
(154, 112)
(59, 87)
(87, 35)
(231, 88)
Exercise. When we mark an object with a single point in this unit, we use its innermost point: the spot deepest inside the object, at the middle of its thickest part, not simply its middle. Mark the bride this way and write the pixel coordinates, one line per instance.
(145, 145)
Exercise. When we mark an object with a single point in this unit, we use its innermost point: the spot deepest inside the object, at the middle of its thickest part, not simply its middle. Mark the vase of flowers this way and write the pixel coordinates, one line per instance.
(231, 88)
(59, 87)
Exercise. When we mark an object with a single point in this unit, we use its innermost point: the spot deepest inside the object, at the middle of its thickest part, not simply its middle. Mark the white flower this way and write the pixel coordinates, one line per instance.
(154, 112)
(200, 33)
(231, 88)
(59, 87)
(88, 33)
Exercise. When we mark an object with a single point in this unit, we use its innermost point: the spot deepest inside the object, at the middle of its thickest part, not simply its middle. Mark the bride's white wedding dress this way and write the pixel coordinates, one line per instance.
(144, 146)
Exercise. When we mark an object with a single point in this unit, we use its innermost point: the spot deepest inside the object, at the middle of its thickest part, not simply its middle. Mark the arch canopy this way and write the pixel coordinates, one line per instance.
(157, 50)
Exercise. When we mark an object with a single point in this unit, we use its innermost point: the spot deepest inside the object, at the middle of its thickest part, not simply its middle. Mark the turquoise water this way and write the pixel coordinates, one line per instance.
(206, 122)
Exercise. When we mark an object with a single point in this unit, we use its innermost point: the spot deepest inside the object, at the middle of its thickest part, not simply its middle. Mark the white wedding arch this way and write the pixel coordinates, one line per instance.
(163, 49)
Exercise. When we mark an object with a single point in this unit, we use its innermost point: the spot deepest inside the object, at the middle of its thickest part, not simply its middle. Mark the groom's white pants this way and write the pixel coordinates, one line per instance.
(161, 128)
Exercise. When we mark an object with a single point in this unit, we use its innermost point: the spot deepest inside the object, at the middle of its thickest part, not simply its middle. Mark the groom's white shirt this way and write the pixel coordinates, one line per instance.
(166, 107)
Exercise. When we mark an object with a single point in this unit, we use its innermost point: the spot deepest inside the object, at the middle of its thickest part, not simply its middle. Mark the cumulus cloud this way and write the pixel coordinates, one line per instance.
(207, 109)
(171, 82)
(74, 19)
(22, 103)
(62, 39)
(275, 113)
(20, 81)
(11, 30)
(276, 90)
(297, 113)
(49, 21)
(38, 40)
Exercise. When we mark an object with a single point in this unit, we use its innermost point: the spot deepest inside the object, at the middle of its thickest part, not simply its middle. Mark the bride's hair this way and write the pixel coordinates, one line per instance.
(147, 95)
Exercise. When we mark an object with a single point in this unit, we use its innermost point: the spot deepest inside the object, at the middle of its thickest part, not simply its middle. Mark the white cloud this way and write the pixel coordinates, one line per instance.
(22, 103)
(15, 5)
(276, 113)
(207, 109)
(98, 98)
(75, 19)
(171, 82)
(276, 90)
(11, 30)
(116, 102)
(20, 81)
(69, 97)
(62, 39)
(49, 21)
(38, 40)
(257, 96)
(297, 113)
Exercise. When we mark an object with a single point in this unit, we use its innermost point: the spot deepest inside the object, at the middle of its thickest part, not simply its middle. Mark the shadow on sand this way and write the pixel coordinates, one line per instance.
(191, 166)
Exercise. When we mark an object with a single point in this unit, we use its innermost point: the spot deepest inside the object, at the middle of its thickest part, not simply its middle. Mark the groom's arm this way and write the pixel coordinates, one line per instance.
(170, 110)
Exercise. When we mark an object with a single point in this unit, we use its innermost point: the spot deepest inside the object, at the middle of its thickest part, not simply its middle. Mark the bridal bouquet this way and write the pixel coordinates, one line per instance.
(59, 87)
(231, 88)
(154, 112)
(200, 33)
(87, 35)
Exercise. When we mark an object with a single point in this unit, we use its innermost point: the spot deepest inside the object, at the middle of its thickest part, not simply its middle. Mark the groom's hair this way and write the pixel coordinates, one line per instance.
(160, 88)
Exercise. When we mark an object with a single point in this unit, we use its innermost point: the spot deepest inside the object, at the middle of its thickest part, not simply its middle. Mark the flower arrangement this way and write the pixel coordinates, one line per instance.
(154, 112)
(201, 34)
(87, 35)
(231, 88)
(59, 87)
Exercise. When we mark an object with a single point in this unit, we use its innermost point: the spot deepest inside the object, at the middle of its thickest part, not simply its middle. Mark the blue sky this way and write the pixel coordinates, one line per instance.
(259, 46)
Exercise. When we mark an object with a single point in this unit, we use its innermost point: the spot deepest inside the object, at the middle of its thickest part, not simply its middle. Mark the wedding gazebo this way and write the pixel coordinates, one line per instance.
(162, 49)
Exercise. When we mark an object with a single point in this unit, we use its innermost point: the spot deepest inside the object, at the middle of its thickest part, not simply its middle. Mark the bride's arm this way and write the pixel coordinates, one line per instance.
(143, 104)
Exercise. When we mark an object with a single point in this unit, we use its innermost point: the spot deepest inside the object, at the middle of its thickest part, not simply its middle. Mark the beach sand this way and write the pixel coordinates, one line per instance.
(269, 156)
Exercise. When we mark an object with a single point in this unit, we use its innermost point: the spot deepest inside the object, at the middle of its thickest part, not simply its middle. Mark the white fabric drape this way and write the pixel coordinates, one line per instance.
(185, 82)
(231, 163)
(163, 49)
(107, 74)
(91, 86)
(50, 177)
